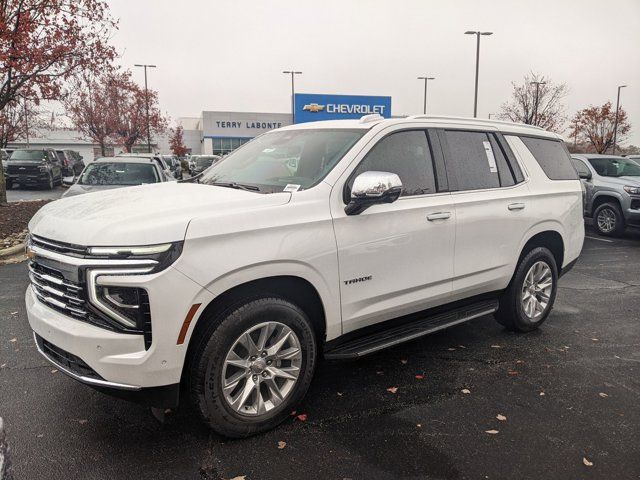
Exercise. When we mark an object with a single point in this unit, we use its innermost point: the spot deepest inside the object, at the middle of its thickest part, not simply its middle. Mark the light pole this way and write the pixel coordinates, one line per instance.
(490, 116)
(426, 80)
(477, 34)
(615, 124)
(293, 73)
(146, 97)
(535, 115)
(26, 119)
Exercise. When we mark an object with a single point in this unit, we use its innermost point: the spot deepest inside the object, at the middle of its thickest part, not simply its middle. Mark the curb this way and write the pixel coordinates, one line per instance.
(7, 252)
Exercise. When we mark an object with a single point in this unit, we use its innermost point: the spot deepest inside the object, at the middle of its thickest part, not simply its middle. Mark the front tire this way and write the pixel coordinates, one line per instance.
(252, 366)
(608, 220)
(529, 298)
(50, 183)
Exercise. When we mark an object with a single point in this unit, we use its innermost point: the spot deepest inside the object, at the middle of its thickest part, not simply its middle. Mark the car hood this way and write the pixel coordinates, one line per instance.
(77, 189)
(632, 181)
(141, 215)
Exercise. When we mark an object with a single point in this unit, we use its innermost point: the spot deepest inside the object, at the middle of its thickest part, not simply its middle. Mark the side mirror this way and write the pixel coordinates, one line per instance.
(585, 175)
(370, 188)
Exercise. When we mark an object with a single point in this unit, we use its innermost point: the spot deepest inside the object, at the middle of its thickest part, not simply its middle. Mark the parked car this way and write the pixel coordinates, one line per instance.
(174, 166)
(612, 191)
(33, 167)
(115, 172)
(236, 283)
(156, 158)
(199, 163)
(71, 162)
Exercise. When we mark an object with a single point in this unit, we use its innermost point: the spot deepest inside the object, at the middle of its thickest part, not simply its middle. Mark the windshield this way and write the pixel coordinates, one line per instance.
(29, 155)
(295, 158)
(119, 174)
(615, 167)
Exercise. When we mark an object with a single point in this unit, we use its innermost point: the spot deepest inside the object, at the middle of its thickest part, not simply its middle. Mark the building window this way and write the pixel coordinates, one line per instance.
(222, 146)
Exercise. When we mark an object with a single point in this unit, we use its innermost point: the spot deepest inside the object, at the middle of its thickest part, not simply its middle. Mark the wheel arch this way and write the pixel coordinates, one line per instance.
(296, 289)
(545, 236)
(604, 197)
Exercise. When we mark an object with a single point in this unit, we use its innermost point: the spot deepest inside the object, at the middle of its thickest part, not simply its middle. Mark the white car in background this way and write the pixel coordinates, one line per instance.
(235, 285)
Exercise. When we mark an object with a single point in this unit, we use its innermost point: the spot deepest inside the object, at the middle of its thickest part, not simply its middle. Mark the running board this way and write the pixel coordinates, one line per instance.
(365, 345)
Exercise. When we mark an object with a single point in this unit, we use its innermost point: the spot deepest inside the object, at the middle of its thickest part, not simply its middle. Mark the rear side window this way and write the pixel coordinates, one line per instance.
(580, 167)
(552, 156)
(406, 154)
(472, 160)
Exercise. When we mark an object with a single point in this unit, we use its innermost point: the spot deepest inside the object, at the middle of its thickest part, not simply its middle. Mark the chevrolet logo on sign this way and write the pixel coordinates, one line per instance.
(313, 107)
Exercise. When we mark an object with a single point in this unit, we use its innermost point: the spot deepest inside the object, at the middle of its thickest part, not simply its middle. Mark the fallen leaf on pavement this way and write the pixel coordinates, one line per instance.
(542, 394)
(55, 370)
(496, 346)
(461, 346)
(501, 417)
(519, 362)
(419, 425)
(339, 394)
(240, 477)
(13, 340)
(302, 417)
(512, 372)
(420, 377)
(587, 462)
(491, 432)
(392, 389)
(3, 365)
(379, 372)
(293, 413)
(451, 349)
(603, 395)
(281, 445)
(40, 435)
(594, 339)
(83, 421)
(404, 361)
(466, 391)
(13, 313)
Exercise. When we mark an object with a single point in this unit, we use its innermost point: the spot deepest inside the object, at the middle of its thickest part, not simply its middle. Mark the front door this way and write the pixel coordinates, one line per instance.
(395, 258)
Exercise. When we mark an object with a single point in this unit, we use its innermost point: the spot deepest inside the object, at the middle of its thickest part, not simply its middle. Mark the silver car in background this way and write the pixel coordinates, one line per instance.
(612, 191)
(116, 172)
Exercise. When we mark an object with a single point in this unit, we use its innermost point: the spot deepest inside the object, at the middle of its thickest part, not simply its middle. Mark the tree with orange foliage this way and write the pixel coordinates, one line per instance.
(595, 126)
(176, 141)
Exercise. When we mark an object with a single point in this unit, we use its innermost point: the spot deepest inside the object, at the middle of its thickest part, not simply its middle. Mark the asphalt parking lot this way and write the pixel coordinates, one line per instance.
(569, 393)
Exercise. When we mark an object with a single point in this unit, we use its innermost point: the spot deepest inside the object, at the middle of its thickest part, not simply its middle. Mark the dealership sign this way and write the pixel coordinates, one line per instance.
(311, 107)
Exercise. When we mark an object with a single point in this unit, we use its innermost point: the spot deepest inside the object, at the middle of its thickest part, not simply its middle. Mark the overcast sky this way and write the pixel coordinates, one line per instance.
(228, 55)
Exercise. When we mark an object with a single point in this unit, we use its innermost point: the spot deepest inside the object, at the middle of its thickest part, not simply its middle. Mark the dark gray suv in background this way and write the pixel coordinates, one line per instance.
(612, 186)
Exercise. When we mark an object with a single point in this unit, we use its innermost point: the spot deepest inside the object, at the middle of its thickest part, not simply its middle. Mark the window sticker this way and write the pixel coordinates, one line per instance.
(490, 158)
(291, 187)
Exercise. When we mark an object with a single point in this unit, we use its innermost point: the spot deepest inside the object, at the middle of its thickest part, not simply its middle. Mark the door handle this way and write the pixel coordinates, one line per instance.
(516, 206)
(438, 216)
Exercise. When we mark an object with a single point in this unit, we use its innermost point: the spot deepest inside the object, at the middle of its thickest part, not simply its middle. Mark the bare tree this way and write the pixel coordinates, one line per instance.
(538, 100)
(595, 126)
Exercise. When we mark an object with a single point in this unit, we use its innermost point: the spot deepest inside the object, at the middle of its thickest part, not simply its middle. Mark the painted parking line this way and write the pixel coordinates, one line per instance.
(599, 239)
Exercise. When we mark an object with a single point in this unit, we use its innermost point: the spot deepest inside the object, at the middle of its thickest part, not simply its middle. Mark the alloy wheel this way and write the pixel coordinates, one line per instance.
(261, 368)
(536, 290)
(606, 220)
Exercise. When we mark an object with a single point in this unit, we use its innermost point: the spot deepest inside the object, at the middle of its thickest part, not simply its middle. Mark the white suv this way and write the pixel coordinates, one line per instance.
(333, 239)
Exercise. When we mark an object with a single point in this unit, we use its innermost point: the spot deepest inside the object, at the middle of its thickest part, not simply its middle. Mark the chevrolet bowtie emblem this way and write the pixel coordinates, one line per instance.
(313, 107)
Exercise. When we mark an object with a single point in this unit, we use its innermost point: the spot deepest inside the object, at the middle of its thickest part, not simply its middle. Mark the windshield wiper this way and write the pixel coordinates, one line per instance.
(237, 186)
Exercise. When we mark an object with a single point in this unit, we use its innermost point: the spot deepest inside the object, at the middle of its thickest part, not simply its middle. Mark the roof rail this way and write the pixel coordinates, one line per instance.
(374, 117)
(471, 120)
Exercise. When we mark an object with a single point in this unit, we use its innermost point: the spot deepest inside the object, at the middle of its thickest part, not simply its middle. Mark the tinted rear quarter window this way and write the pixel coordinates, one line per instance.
(470, 160)
(552, 156)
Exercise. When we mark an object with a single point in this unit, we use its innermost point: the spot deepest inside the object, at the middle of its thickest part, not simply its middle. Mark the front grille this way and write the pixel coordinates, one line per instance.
(55, 291)
(66, 360)
(23, 169)
(58, 247)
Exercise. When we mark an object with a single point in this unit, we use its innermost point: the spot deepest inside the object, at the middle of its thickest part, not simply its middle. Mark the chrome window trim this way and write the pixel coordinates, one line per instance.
(89, 381)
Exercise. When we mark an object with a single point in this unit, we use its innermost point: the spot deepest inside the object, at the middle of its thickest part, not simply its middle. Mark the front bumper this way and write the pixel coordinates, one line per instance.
(28, 179)
(118, 362)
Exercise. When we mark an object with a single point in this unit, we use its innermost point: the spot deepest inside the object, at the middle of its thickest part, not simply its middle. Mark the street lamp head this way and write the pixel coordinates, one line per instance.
(621, 86)
(470, 32)
(486, 33)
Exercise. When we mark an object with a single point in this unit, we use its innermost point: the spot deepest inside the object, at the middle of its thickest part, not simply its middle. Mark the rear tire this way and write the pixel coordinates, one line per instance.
(529, 298)
(50, 183)
(213, 365)
(608, 220)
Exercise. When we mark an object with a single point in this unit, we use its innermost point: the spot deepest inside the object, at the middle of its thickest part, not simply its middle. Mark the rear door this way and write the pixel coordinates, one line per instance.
(395, 258)
(491, 198)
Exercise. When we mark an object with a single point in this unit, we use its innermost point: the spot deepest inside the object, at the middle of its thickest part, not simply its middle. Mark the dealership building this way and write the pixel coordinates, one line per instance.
(219, 133)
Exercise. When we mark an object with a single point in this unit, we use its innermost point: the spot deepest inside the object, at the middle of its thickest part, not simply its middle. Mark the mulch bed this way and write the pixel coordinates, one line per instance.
(14, 218)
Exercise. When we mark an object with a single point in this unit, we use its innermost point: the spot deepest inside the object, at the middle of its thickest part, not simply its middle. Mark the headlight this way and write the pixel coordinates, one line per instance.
(632, 190)
(44, 168)
(163, 254)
